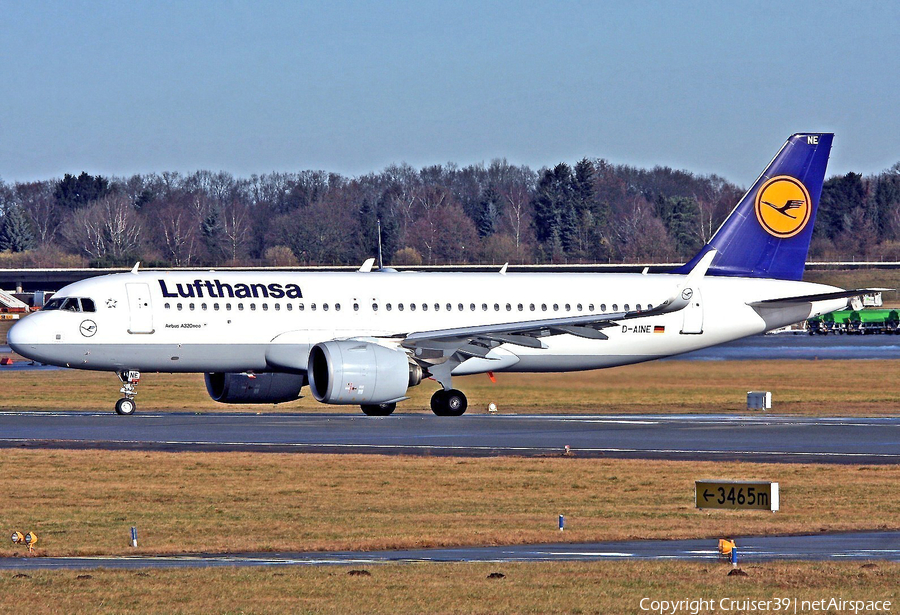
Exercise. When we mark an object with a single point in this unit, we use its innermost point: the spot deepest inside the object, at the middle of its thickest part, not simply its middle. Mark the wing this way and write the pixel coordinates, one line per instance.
(441, 350)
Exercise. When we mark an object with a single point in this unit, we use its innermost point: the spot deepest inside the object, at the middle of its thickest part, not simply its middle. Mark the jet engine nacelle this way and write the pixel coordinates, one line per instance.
(348, 372)
(266, 388)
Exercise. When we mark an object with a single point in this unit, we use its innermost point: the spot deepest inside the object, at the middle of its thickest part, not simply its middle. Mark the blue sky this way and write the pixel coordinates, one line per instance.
(255, 86)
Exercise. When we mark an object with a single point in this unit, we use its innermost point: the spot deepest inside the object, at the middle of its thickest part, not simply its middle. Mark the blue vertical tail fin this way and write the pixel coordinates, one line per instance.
(767, 235)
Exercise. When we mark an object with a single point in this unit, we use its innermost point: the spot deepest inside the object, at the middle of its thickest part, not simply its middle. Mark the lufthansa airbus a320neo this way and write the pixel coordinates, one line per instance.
(365, 337)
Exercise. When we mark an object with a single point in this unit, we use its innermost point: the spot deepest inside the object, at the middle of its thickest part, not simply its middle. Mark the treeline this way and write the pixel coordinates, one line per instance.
(592, 211)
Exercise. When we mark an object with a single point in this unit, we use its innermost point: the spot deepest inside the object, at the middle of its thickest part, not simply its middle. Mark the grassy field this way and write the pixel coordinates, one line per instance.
(84, 502)
(603, 587)
(799, 387)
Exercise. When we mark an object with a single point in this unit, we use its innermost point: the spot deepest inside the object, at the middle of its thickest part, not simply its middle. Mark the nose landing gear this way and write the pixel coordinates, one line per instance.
(130, 380)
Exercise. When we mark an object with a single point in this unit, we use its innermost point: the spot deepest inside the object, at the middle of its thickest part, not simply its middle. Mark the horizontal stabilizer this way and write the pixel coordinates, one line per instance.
(789, 301)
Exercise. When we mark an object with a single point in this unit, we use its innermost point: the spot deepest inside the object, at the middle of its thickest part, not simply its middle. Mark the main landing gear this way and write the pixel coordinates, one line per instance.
(449, 403)
(130, 379)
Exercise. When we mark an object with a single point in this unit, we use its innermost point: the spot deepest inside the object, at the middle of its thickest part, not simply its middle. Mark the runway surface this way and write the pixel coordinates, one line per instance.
(835, 547)
(697, 437)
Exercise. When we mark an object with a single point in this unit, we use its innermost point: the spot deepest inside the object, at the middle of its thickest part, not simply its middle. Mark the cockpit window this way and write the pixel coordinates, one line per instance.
(70, 304)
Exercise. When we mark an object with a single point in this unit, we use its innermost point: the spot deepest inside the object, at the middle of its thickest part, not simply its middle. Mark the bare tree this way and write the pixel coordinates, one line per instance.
(37, 199)
(107, 229)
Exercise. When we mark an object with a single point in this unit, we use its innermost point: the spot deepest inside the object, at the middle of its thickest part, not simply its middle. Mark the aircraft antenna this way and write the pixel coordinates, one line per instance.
(380, 261)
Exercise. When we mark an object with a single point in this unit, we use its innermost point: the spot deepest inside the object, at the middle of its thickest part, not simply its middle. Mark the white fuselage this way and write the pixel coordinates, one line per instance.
(209, 321)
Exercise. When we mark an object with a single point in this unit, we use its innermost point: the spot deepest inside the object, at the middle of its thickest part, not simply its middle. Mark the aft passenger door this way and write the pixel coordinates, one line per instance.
(140, 308)
(693, 314)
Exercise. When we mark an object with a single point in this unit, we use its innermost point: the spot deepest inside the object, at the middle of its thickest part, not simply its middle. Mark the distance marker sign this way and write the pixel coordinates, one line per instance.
(743, 495)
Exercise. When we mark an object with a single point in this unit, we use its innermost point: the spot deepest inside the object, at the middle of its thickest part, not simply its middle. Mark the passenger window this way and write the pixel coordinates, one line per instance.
(312, 306)
(460, 307)
(227, 307)
(638, 307)
(449, 307)
(252, 307)
(191, 307)
(531, 306)
(496, 307)
(277, 307)
(579, 307)
(521, 307)
(424, 307)
(216, 306)
(167, 306)
(615, 307)
(355, 307)
(626, 307)
(374, 307)
(203, 306)
(290, 307)
(568, 308)
(400, 306)
(412, 307)
(265, 307)
(555, 307)
(88, 305)
(325, 307)
(240, 307)
(472, 307)
(337, 307)
(301, 307)
(437, 307)
(179, 307)
(387, 306)
(508, 307)
(543, 307)
(484, 307)
(602, 307)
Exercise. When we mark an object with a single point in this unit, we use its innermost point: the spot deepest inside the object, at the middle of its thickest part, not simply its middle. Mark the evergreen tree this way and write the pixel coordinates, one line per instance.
(555, 218)
(489, 211)
(77, 192)
(681, 217)
(840, 196)
(15, 232)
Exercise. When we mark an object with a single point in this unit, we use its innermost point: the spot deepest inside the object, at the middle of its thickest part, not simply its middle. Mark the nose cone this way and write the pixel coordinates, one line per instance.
(24, 336)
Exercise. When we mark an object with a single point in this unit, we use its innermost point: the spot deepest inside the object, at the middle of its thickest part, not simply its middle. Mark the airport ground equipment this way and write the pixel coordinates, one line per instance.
(855, 322)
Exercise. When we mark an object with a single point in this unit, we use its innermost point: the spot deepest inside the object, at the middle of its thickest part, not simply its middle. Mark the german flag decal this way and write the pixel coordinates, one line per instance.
(659, 329)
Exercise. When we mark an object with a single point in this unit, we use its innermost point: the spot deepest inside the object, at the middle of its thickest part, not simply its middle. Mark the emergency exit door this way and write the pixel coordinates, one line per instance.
(140, 308)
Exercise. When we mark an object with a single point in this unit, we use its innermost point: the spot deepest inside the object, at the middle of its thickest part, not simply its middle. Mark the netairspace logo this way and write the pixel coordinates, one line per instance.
(772, 605)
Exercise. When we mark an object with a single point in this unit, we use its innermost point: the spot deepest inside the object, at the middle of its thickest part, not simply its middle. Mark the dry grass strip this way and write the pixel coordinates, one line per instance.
(800, 387)
(84, 502)
(602, 587)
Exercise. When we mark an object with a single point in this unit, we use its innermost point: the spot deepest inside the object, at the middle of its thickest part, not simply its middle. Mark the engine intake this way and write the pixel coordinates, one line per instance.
(266, 388)
(348, 372)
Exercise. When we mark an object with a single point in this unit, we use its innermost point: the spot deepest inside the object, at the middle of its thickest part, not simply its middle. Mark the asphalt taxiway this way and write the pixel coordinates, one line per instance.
(686, 437)
(858, 546)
